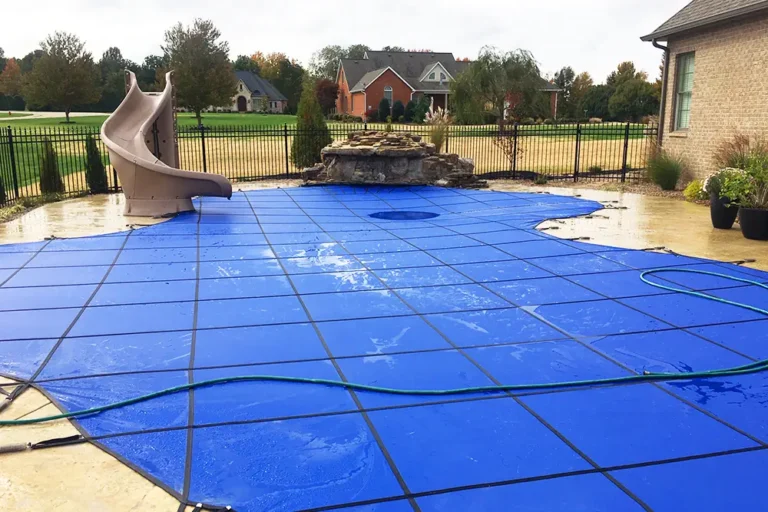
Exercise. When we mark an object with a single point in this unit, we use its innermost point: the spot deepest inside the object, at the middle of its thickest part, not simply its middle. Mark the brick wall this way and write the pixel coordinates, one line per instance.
(343, 99)
(730, 89)
(375, 90)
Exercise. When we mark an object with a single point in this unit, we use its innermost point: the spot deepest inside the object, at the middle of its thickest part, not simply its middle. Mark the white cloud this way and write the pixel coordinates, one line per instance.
(589, 35)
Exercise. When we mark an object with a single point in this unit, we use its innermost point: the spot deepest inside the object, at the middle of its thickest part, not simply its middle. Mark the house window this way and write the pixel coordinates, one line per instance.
(431, 76)
(388, 94)
(685, 69)
(442, 77)
(241, 87)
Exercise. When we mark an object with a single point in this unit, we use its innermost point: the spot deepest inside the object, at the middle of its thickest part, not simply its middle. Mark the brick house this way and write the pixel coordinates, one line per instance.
(401, 76)
(255, 94)
(714, 77)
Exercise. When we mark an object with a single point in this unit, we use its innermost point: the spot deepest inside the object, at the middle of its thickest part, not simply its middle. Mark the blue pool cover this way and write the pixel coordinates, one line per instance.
(304, 282)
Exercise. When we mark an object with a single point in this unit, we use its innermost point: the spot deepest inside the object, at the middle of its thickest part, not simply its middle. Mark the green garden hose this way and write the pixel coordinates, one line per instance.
(755, 367)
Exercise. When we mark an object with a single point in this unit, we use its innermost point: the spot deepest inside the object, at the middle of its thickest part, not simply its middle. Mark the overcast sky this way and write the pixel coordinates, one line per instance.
(589, 35)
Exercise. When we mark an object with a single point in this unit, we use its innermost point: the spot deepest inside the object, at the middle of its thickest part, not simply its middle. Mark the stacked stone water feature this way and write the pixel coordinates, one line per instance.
(371, 157)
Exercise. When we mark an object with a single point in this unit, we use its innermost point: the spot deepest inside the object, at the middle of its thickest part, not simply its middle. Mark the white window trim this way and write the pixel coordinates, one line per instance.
(384, 71)
(679, 94)
(426, 74)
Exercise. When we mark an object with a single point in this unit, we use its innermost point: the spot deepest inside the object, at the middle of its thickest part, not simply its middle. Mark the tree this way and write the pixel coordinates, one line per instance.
(625, 71)
(325, 62)
(2, 58)
(327, 91)
(94, 168)
(564, 80)
(245, 63)
(410, 109)
(357, 51)
(632, 100)
(269, 64)
(50, 178)
(289, 81)
(421, 109)
(284, 73)
(28, 61)
(385, 109)
(581, 85)
(203, 73)
(151, 72)
(311, 131)
(10, 78)
(112, 67)
(595, 102)
(393, 49)
(398, 111)
(65, 75)
(489, 82)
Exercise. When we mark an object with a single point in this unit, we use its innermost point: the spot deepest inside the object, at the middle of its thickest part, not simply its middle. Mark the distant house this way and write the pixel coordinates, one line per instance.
(714, 81)
(255, 94)
(401, 76)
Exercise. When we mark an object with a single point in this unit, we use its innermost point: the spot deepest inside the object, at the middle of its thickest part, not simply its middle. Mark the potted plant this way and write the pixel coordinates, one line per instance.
(722, 210)
(750, 190)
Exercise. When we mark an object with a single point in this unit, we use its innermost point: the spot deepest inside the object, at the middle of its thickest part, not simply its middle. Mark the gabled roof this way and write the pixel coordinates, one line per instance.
(408, 65)
(700, 13)
(548, 86)
(259, 86)
(411, 67)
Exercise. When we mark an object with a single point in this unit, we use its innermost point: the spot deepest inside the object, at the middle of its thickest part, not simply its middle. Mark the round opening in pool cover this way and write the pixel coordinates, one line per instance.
(395, 215)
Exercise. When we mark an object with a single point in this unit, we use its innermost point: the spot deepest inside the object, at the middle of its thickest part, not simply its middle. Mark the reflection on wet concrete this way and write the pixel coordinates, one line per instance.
(636, 221)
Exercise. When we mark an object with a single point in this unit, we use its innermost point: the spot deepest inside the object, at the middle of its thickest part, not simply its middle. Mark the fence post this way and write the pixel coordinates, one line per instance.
(13, 163)
(202, 145)
(447, 132)
(578, 150)
(626, 153)
(514, 152)
(287, 156)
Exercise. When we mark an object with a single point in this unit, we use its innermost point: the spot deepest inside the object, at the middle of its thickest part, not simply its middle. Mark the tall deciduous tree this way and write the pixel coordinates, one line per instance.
(624, 72)
(246, 63)
(65, 75)
(203, 73)
(112, 66)
(564, 80)
(393, 49)
(327, 91)
(493, 79)
(10, 78)
(284, 73)
(311, 131)
(632, 100)
(28, 61)
(325, 61)
(595, 101)
(2, 58)
(581, 85)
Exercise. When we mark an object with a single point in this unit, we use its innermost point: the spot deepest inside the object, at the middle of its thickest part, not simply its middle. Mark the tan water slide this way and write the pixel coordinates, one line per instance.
(140, 136)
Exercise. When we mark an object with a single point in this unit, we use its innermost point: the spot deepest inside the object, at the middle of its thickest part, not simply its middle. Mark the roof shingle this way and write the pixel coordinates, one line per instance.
(703, 12)
(259, 86)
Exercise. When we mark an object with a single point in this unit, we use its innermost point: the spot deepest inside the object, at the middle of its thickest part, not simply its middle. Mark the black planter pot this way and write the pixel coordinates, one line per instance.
(754, 223)
(723, 214)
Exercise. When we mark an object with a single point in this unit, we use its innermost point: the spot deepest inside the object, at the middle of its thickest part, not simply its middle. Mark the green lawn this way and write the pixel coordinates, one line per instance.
(15, 115)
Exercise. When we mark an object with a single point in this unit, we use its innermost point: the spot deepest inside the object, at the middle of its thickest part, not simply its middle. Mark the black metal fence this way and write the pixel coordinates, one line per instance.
(594, 152)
